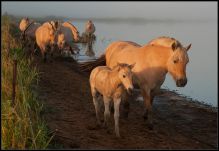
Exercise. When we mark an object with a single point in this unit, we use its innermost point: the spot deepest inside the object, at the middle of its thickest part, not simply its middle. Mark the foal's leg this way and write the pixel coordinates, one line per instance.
(96, 105)
(106, 111)
(116, 115)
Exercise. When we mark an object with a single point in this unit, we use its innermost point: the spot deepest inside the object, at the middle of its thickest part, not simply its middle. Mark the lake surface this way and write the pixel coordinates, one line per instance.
(202, 67)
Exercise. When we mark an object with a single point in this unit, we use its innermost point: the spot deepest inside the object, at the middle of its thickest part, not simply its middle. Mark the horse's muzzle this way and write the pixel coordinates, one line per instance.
(181, 82)
(130, 91)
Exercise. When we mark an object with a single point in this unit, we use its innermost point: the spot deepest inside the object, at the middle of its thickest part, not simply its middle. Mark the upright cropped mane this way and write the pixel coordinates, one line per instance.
(122, 65)
(165, 41)
(72, 27)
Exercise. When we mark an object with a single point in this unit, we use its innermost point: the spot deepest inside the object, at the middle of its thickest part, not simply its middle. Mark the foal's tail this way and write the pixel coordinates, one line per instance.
(90, 65)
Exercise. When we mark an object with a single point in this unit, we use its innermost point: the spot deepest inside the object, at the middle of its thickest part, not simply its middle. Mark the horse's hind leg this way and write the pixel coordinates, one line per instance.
(116, 115)
(45, 57)
(148, 111)
(126, 99)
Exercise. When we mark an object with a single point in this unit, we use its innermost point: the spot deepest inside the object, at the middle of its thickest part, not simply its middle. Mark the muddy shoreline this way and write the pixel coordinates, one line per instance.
(179, 123)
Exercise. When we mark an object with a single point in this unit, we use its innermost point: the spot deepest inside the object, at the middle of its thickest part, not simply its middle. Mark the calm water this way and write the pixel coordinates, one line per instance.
(202, 68)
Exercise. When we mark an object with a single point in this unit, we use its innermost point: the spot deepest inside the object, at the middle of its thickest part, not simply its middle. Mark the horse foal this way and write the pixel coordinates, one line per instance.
(110, 84)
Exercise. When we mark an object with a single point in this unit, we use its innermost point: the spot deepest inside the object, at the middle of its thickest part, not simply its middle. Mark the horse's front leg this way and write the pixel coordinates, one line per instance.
(126, 98)
(116, 115)
(148, 112)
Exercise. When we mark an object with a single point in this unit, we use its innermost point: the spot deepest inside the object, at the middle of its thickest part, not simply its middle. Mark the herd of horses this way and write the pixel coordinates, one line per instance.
(51, 35)
(123, 65)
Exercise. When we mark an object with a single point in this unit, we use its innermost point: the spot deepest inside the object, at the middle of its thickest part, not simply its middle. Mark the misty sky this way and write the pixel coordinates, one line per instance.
(172, 10)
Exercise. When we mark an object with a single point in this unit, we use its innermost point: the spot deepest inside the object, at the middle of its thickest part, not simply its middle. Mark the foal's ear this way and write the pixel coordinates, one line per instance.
(132, 65)
(118, 66)
(188, 47)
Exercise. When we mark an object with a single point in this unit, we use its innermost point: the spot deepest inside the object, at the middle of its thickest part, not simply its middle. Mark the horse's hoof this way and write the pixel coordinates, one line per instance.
(98, 125)
(125, 115)
(104, 125)
(150, 126)
(109, 131)
(92, 127)
(145, 117)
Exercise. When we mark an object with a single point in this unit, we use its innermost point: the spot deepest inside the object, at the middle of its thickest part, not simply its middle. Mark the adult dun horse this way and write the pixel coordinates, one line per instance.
(46, 38)
(153, 62)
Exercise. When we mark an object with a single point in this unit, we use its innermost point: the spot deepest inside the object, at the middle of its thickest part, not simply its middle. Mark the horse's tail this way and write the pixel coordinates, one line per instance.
(90, 65)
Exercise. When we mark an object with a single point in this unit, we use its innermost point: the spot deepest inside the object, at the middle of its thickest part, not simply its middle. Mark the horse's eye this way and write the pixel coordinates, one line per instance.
(123, 76)
(175, 61)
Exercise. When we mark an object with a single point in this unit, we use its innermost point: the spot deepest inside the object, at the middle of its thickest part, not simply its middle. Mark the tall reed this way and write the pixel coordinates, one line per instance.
(22, 126)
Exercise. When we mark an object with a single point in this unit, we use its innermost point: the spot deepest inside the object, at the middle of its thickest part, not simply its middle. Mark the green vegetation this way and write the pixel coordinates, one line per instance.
(22, 126)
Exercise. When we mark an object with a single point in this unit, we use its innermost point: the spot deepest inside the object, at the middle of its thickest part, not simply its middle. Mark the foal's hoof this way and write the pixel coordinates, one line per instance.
(118, 136)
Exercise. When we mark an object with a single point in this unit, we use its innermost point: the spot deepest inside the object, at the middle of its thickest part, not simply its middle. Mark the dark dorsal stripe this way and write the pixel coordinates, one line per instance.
(52, 26)
(27, 28)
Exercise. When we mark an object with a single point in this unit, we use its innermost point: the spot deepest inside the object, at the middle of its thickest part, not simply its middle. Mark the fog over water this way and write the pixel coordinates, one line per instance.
(158, 10)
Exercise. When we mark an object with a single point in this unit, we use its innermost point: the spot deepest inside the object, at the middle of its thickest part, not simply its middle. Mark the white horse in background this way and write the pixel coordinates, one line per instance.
(68, 34)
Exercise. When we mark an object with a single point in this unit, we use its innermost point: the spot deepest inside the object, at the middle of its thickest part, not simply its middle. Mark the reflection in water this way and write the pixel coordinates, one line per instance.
(202, 66)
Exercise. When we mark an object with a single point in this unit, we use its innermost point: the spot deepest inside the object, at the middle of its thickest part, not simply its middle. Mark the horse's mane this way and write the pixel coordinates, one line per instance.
(165, 41)
(73, 27)
(120, 65)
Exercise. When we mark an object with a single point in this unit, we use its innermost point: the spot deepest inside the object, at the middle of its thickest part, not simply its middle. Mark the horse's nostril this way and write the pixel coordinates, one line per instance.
(181, 82)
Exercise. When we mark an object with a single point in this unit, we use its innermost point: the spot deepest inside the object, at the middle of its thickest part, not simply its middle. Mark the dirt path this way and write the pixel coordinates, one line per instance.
(177, 124)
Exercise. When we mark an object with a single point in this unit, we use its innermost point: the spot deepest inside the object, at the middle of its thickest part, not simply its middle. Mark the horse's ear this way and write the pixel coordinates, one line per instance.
(188, 47)
(174, 46)
(56, 24)
(118, 64)
(132, 65)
